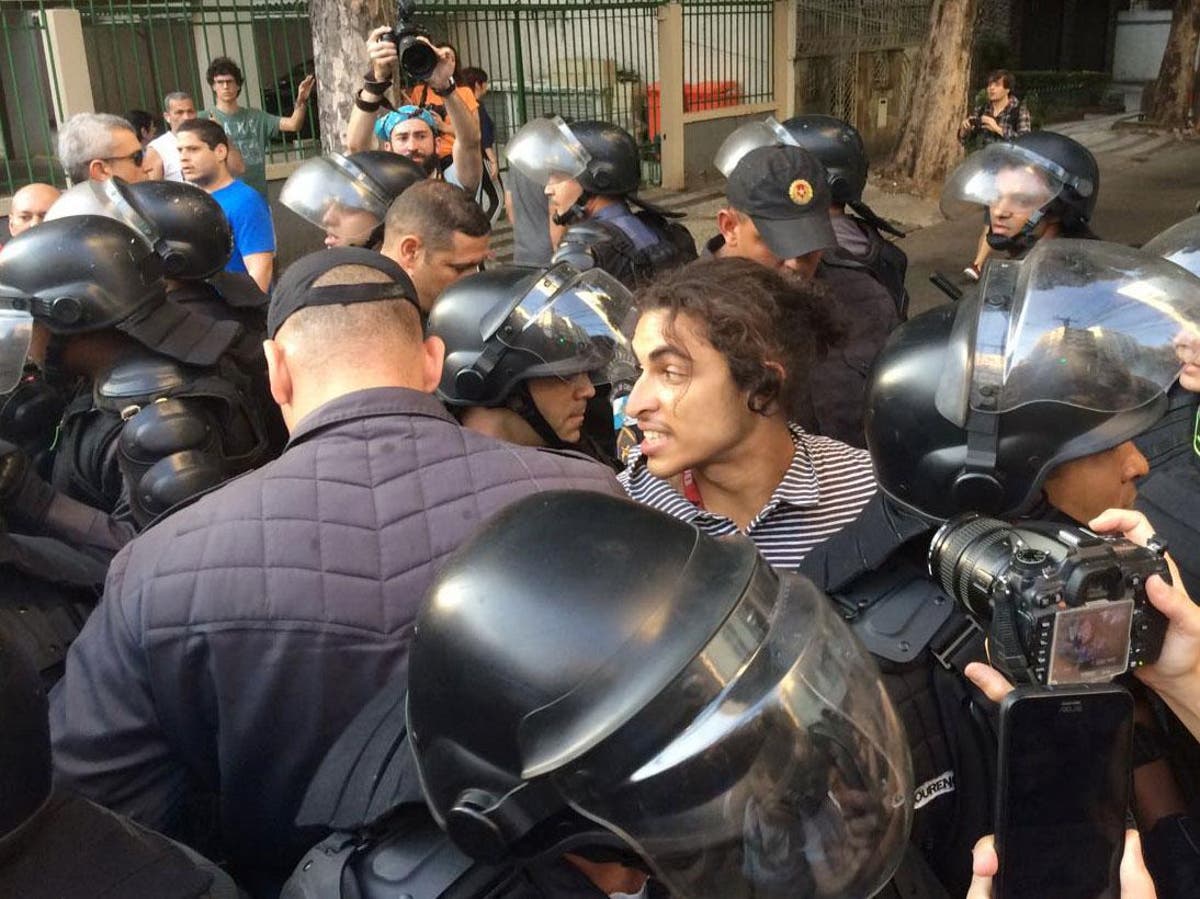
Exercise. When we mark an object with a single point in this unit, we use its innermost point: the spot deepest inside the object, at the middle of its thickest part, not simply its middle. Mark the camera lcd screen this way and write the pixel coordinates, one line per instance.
(1091, 643)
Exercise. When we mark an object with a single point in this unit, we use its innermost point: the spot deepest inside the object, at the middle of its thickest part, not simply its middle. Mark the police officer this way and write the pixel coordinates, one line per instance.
(1170, 494)
(1039, 186)
(57, 846)
(591, 172)
(534, 356)
(662, 729)
(348, 196)
(1020, 401)
(190, 234)
(158, 411)
(839, 148)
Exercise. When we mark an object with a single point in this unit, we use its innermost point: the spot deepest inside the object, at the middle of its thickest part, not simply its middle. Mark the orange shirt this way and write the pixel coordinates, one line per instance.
(445, 141)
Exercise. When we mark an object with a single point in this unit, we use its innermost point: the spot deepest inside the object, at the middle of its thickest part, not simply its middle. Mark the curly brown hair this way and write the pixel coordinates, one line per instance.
(761, 321)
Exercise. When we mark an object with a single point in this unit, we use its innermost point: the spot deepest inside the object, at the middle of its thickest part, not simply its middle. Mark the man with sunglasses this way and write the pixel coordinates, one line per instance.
(100, 146)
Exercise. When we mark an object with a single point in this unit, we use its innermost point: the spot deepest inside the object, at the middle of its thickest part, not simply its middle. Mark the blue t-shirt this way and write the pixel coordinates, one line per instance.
(250, 218)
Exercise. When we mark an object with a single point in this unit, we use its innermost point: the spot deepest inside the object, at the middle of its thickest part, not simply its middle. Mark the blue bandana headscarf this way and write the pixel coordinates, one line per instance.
(384, 126)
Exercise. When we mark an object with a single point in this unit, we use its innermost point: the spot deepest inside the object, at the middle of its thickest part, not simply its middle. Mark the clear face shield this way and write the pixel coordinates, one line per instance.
(1180, 244)
(1005, 178)
(575, 322)
(751, 136)
(794, 779)
(545, 148)
(16, 334)
(334, 194)
(1091, 325)
(103, 198)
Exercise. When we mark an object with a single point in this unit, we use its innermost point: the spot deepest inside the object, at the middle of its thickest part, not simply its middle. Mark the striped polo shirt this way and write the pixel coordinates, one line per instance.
(824, 489)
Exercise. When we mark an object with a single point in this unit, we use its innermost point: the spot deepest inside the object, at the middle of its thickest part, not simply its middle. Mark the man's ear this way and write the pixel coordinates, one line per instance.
(279, 375)
(222, 151)
(408, 251)
(433, 355)
(98, 170)
(727, 222)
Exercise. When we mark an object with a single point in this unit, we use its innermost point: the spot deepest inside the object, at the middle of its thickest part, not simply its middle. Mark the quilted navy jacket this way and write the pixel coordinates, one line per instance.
(238, 637)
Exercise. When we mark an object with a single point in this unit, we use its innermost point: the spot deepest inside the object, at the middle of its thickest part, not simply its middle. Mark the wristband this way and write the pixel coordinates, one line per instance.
(447, 90)
(366, 105)
(376, 87)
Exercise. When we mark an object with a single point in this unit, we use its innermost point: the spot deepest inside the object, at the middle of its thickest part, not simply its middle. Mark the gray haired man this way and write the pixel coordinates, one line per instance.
(99, 146)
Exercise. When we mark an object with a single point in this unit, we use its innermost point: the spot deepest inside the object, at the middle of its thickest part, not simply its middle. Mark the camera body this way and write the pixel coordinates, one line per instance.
(1061, 605)
(417, 58)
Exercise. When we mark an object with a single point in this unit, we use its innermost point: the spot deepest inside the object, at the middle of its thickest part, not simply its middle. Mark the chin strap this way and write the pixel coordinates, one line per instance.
(521, 402)
(1022, 240)
(576, 213)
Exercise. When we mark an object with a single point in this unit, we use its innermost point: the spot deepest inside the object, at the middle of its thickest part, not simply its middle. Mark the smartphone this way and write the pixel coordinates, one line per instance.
(1062, 792)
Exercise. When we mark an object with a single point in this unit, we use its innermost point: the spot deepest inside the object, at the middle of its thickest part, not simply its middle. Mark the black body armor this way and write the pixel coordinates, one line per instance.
(605, 245)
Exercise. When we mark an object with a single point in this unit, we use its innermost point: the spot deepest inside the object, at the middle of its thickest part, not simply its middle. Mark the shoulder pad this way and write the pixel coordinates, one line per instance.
(578, 241)
(900, 611)
(141, 380)
(239, 290)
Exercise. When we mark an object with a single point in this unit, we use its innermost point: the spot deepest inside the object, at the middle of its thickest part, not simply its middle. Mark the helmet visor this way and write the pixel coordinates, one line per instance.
(103, 198)
(1180, 244)
(336, 196)
(574, 322)
(1002, 178)
(793, 781)
(1091, 325)
(750, 136)
(547, 147)
(16, 333)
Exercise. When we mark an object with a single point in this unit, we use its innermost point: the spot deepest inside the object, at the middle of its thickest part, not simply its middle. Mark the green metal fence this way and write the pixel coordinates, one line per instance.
(577, 58)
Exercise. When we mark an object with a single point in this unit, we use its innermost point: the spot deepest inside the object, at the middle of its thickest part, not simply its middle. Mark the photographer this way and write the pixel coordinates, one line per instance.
(409, 131)
(1002, 117)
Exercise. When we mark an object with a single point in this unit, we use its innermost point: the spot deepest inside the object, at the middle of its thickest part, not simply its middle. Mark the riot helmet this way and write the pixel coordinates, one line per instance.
(87, 273)
(747, 137)
(839, 146)
(24, 738)
(505, 326)
(1180, 244)
(571, 689)
(348, 196)
(601, 157)
(1038, 176)
(186, 227)
(1067, 353)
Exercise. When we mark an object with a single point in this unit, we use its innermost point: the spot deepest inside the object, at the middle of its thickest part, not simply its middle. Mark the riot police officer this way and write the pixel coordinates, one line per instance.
(534, 356)
(1170, 495)
(1021, 400)
(1039, 186)
(158, 411)
(591, 172)
(57, 846)
(839, 148)
(348, 196)
(664, 724)
(188, 231)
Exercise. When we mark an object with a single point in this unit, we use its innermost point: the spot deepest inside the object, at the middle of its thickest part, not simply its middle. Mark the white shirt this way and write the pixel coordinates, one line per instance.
(167, 149)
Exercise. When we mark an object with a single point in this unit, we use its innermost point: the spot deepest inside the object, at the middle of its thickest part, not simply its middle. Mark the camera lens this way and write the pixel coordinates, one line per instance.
(966, 556)
(417, 58)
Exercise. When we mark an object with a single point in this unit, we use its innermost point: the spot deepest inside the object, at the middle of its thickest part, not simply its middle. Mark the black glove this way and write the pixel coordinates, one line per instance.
(14, 465)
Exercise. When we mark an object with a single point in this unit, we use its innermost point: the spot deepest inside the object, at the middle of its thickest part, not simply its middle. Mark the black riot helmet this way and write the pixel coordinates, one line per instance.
(507, 325)
(186, 227)
(24, 738)
(615, 168)
(348, 196)
(1067, 353)
(1041, 173)
(600, 156)
(88, 273)
(839, 146)
(1180, 244)
(571, 689)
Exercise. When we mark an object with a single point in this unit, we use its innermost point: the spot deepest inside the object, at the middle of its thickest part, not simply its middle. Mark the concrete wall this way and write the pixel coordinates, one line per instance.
(1141, 40)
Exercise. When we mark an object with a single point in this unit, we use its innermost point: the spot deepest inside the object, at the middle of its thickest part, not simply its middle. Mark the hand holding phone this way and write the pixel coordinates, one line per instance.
(1136, 882)
(1063, 790)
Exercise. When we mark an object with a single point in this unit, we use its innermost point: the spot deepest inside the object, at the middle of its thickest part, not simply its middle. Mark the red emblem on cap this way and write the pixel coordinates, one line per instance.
(801, 192)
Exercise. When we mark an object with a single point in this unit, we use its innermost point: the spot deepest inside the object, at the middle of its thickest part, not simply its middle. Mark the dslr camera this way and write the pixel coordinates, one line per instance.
(417, 58)
(1060, 604)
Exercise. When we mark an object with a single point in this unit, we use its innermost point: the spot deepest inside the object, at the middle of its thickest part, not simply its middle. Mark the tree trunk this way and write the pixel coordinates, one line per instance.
(1170, 98)
(339, 31)
(928, 146)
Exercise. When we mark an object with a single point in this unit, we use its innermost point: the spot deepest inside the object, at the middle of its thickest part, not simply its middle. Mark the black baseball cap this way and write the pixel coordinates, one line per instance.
(295, 289)
(785, 191)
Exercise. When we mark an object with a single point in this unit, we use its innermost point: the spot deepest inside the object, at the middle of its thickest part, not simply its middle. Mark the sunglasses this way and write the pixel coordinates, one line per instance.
(137, 157)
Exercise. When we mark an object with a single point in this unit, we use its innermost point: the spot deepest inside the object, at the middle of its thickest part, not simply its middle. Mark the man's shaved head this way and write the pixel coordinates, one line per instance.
(29, 206)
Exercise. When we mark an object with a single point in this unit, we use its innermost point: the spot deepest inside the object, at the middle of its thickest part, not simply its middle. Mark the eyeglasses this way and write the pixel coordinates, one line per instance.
(137, 157)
